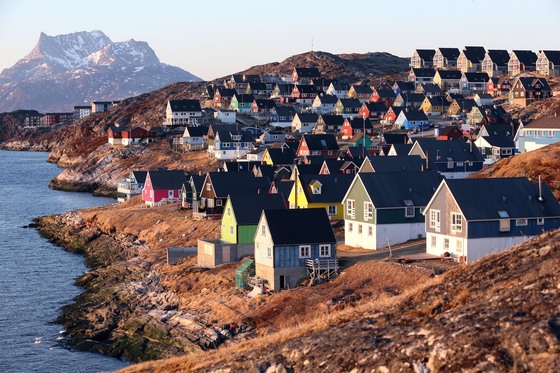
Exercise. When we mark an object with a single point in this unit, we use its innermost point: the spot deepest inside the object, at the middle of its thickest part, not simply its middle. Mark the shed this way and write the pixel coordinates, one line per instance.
(244, 272)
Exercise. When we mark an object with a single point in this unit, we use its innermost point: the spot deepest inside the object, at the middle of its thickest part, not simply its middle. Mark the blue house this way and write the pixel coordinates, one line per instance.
(454, 159)
(288, 242)
(473, 218)
(541, 132)
(412, 119)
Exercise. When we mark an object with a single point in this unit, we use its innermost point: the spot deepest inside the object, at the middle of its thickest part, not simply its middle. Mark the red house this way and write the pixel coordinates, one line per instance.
(392, 114)
(304, 93)
(386, 96)
(352, 126)
(324, 145)
(162, 187)
(372, 110)
(128, 135)
(450, 133)
(499, 86)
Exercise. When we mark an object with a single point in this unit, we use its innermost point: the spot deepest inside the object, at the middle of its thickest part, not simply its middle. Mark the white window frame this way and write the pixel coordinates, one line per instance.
(360, 229)
(350, 227)
(409, 212)
(433, 241)
(269, 252)
(521, 222)
(446, 244)
(218, 202)
(540, 221)
(351, 208)
(324, 251)
(331, 210)
(368, 211)
(263, 230)
(304, 251)
(231, 230)
(370, 231)
(435, 219)
(456, 222)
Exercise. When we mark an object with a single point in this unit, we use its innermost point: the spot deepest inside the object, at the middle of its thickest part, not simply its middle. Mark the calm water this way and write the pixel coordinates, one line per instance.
(36, 277)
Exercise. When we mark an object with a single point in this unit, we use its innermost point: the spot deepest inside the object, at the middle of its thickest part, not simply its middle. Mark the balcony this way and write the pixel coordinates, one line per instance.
(129, 188)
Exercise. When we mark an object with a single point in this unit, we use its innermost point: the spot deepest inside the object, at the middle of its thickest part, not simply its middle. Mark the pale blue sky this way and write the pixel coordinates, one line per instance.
(215, 38)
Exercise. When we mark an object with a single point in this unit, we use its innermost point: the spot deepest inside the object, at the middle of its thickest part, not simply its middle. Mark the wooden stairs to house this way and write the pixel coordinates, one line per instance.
(320, 270)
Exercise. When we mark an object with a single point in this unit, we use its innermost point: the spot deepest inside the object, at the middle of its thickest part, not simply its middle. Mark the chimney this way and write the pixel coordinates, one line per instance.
(540, 190)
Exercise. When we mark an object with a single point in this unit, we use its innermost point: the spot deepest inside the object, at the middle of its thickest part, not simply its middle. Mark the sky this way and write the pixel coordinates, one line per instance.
(212, 39)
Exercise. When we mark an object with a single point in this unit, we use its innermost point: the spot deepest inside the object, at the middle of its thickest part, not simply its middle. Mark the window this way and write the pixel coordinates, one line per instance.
(540, 221)
(504, 225)
(218, 202)
(351, 208)
(231, 229)
(360, 229)
(350, 227)
(317, 190)
(370, 231)
(269, 252)
(459, 246)
(456, 222)
(433, 241)
(449, 164)
(228, 211)
(263, 230)
(208, 186)
(305, 251)
(325, 251)
(331, 210)
(434, 220)
(446, 243)
(521, 222)
(409, 212)
(368, 211)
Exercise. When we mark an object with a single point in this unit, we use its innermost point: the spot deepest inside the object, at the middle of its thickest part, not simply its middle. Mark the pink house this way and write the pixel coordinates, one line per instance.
(162, 187)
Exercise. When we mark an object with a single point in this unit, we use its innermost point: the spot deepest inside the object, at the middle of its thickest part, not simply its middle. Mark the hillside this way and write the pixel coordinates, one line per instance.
(499, 314)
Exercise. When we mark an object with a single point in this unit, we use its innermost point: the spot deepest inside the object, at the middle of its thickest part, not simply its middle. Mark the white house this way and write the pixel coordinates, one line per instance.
(541, 132)
(226, 116)
(183, 113)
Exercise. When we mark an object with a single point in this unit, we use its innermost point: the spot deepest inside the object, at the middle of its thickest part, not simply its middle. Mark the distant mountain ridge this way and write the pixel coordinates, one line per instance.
(72, 69)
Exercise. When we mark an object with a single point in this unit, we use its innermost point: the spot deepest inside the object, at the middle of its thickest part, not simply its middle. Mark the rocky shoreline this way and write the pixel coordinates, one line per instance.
(124, 311)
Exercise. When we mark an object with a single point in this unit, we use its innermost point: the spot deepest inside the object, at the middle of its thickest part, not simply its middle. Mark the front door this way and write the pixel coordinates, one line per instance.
(283, 282)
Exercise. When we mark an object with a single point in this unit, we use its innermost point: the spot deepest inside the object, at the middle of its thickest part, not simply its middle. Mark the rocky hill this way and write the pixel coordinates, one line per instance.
(499, 314)
(74, 69)
(345, 67)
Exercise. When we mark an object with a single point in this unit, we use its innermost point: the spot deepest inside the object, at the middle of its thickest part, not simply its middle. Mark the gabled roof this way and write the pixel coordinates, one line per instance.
(477, 77)
(282, 155)
(498, 130)
(412, 97)
(226, 136)
(359, 123)
(285, 111)
(547, 122)
(244, 97)
(232, 183)
(515, 195)
(299, 226)
(184, 105)
(244, 166)
(423, 72)
(386, 93)
(498, 56)
(248, 208)
(199, 131)
(437, 100)
(332, 120)
(321, 82)
(395, 189)
(466, 104)
(308, 72)
(484, 96)
(443, 150)
(527, 58)
(395, 137)
(258, 86)
(401, 163)
(396, 110)
(552, 56)
(528, 83)
(334, 165)
(362, 89)
(140, 176)
(169, 179)
(284, 187)
(284, 89)
(500, 141)
(449, 53)
(450, 130)
(309, 169)
(474, 54)
(426, 54)
(307, 117)
(226, 92)
(197, 181)
(333, 187)
(414, 114)
(350, 102)
(339, 86)
(264, 103)
(374, 107)
(321, 142)
(430, 88)
(328, 99)
(449, 74)
(404, 86)
(401, 149)
(306, 88)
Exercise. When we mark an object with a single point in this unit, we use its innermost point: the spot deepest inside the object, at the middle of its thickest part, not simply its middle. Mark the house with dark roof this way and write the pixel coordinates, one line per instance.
(347, 107)
(412, 119)
(338, 166)
(282, 116)
(328, 123)
(131, 185)
(454, 159)
(434, 105)
(324, 145)
(483, 99)
(449, 133)
(527, 89)
(429, 89)
(382, 209)
(521, 61)
(495, 141)
(258, 89)
(495, 62)
(183, 113)
(262, 107)
(304, 122)
(413, 100)
(399, 149)
(194, 138)
(219, 185)
(288, 241)
(231, 144)
(392, 114)
(470, 59)
(324, 104)
(400, 87)
(384, 95)
(422, 58)
(305, 75)
(473, 82)
(190, 191)
(394, 138)
(421, 75)
(304, 94)
(403, 163)
(282, 92)
(353, 126)
(241, 102)
(537, 134)
(461, 106)
(240, 82)
(503, 213)
(320, 191)
(447, 79)
(372, 110)
(279, 156)
(360, 92)
(338, 89)
(223, 97)
(548, 63)
(446, 58)
(163, 187)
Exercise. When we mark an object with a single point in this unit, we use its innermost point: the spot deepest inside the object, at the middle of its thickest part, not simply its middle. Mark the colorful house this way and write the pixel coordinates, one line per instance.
(131, 186)
(502, 213)
(422, 58)
(163, 187)
(382, 209)
(242, 102)
(446, 58)
(321, 145)
(495, 62)
(470, 59)
(527, 89)
(537, 134)
(352, 126)
(283, 259)
(412, 119)
(521, 61)
(548, 63)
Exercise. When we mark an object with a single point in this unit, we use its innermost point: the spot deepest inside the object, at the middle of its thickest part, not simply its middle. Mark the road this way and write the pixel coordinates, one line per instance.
(383, 254)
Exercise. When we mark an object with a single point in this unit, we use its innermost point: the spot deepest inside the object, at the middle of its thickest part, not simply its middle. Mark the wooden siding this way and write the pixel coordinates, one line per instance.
(359, 195)
(246, 233)
(397, 216)
(288, 256)
(483, 229)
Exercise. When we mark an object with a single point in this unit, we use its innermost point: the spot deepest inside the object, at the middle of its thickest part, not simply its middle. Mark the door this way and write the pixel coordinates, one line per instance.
(226, 254)
(282, 282)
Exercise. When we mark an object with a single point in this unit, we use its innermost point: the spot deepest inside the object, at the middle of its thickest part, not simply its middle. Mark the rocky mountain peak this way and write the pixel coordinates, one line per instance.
(127, 53)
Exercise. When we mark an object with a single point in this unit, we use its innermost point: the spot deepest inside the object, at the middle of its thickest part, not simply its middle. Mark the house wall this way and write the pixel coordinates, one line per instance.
(272, 275)
(228, 221)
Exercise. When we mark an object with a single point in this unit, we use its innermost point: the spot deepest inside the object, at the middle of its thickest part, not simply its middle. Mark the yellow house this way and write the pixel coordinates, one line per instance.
(321, 191)
(283, 155)
(434, 105)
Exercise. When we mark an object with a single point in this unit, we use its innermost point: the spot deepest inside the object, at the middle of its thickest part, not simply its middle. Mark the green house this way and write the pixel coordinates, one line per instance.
(242, 213)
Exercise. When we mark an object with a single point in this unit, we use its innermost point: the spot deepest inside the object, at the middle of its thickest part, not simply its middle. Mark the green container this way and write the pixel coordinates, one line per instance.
(244, 272)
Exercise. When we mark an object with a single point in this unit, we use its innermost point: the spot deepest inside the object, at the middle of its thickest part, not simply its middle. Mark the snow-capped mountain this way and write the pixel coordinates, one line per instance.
(74, 69)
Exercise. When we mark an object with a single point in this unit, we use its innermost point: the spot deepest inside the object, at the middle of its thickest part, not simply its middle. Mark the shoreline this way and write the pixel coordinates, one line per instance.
(123, 310)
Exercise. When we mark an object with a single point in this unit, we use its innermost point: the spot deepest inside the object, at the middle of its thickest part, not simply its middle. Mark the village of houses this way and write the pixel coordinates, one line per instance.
(389, 162)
